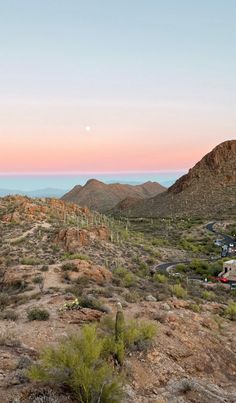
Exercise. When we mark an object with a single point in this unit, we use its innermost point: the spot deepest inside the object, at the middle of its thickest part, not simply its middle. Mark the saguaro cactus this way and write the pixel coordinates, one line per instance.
(120, 323)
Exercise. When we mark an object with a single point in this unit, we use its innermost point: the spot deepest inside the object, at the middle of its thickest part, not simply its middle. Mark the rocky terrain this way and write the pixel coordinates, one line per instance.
(53, 254)
(101, 197)
(208, 190)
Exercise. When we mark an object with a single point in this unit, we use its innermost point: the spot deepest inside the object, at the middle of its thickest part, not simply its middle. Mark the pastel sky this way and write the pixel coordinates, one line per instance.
(104, 86)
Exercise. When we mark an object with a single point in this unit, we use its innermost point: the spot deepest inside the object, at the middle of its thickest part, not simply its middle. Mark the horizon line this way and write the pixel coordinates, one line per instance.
(75, 173)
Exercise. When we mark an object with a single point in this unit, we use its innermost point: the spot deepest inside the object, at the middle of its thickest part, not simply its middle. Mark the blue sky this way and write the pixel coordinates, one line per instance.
(155, 81)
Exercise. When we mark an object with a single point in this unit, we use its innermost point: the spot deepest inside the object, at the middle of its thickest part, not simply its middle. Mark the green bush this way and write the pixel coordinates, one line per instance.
(79, 363)
(195, 308)
(208, 295)
(143, 270)
(181, 268)
(38, 314)
(126, 277)
(160, 278)
(230, 311)
(178, 291)
(136, 335)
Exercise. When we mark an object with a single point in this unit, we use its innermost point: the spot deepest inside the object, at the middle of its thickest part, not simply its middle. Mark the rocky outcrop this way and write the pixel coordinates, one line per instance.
(26, 209)
(73, 238)
(83, 268)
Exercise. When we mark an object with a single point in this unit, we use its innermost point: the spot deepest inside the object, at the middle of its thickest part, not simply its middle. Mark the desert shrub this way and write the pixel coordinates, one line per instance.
(160, 242)
(9, 314)
(37, 280)
(195, 308)
(208, 295)
(38, 314)
(44, 268)
(132, 296)
(181, 268)
(30, 261)
(127, 278)
(230, 311)
(136, 335)
(178, 291)
(206, 269)
(143, 269)
(42, 395)
(69, 266)
(160, 278)
(8, 337)
(73, 256)
(82, 281)
(85, 302)
(4, 300)
(56, 248)
(92, 303)
(79, 364)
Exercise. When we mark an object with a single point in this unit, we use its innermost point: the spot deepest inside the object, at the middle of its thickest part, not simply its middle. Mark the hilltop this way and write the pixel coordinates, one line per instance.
(207, 190)
(102, 197)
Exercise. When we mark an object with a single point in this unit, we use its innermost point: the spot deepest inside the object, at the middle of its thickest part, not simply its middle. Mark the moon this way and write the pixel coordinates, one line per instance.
(87, 128)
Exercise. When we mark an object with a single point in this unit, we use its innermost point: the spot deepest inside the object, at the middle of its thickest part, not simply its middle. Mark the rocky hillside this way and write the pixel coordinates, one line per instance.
(101, 197)
(62, 266)
(209, 188)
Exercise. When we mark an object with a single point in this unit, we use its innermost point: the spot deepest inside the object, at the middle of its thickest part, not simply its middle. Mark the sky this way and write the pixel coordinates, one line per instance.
(114, 86)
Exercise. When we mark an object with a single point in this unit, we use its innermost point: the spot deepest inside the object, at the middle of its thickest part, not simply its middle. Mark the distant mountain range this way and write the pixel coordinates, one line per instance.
(209, 189)
(102, 197)
(48, 192)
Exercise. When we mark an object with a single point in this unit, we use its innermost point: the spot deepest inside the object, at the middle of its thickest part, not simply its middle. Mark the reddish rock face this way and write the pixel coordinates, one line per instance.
(25, 209)
(82, 268)
(73, 238)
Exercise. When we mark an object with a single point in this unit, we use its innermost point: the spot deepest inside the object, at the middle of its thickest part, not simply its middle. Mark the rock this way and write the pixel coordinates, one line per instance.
(69, 296)
(73, 238)
(160, 317)
(24, 362)
(165, 307)
(83, 268)
(17, 379)
(150, 298)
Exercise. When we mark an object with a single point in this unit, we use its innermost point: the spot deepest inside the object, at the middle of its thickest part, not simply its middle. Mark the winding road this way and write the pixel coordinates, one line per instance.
(226, 238)
(163, 267)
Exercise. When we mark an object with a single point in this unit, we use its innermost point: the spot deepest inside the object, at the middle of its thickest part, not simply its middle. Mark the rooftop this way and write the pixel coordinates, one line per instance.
(233, 261)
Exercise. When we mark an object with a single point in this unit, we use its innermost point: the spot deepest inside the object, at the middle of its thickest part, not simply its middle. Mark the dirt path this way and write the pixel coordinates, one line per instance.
(29, 232)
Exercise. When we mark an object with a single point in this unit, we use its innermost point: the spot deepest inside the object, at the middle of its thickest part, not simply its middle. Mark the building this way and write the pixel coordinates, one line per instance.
(229, 270)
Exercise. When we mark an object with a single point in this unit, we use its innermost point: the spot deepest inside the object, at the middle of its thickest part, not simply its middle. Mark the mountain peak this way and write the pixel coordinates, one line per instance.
(102, 197)
(93, 182)
(219, 165)
(208, 189)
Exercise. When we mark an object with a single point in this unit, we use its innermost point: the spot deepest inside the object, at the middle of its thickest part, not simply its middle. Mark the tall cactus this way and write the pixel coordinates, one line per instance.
(120, 323)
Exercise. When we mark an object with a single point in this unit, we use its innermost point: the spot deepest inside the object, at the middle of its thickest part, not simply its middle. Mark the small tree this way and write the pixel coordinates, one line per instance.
(78, 363)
